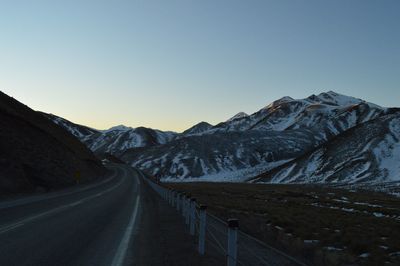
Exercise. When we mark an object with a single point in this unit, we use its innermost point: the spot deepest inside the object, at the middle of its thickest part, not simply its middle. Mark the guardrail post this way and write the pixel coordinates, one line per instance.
(233, 225)
(183, 204)
(202, 229)
(178, 200)
(192, 216)
(173, 198)
(187, 209)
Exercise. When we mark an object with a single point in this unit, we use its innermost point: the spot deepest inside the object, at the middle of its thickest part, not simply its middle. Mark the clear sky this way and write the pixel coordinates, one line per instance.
(169, 64)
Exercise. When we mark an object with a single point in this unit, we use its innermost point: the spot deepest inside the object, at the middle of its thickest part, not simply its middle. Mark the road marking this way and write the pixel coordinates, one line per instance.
(76, 203)
(10, 227)
(124, 244)
(52, 195)
(58, 209)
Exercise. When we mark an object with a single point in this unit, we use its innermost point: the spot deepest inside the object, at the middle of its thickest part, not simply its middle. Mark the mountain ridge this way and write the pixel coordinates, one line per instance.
(245, 146)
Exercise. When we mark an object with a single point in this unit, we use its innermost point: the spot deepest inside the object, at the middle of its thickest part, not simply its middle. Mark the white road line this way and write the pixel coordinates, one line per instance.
(124, 244)
(58, 209)
(10, 227)
(52, 195)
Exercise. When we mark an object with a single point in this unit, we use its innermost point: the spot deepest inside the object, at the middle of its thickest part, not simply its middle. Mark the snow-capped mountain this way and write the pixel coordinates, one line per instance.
(197, 129)
(287, 113)
(369, 152)
(117, 139)
(237, 116)
(282, 142)
(248, 145)
(222, 154)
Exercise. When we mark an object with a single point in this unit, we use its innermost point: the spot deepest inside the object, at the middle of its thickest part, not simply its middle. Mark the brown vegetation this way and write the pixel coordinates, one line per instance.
(324, 225)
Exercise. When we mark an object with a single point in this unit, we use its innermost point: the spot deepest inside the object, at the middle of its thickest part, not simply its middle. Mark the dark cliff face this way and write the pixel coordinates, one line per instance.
(36, 154)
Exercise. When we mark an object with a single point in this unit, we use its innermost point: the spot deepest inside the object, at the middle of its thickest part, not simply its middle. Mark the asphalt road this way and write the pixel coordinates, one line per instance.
(116, 221)
(89, 225)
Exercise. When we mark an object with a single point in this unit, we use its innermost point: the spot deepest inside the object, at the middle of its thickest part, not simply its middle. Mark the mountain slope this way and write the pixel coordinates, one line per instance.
(79, 131)
(115, 140)
(197, 129)
(220, 154)
(287, 113)
(119, 139)
(36, 153)
(243, 147)
(249, 145)
(369, 152)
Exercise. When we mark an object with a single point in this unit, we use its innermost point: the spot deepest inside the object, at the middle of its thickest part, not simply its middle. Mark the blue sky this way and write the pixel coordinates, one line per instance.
(169, 64)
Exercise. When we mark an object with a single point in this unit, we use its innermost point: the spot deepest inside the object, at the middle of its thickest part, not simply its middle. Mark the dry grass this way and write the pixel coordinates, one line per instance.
(345, 224)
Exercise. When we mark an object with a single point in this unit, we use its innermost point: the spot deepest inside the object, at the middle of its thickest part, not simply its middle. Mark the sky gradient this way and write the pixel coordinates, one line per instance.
(169, 64)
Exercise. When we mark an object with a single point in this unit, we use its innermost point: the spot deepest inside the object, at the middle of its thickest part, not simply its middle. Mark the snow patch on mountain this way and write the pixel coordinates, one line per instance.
(117, 128)
(328, 138)
(369, 152)
(387, 152)
(240, 175)
(237, 116)
(276, 103)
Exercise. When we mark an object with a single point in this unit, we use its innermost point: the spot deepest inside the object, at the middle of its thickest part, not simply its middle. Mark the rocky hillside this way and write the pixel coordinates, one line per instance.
(369, 152)
(79, 131)
(115, 140)
(227, 156)
(118, 139)
(247, 145)
(38, 154)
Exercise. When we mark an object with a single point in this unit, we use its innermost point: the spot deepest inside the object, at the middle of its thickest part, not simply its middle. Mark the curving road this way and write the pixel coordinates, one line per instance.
(117, 221)
(90, 225)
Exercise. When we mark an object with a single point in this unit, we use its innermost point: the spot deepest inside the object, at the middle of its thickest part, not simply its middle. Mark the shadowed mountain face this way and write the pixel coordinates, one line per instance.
(36, 153)
(369, 152)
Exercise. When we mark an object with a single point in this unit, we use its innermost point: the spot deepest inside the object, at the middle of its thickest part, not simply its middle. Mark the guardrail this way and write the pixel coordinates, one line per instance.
(225, 237)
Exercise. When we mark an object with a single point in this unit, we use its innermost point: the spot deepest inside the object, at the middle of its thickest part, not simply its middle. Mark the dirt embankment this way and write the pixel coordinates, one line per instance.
(36, 154)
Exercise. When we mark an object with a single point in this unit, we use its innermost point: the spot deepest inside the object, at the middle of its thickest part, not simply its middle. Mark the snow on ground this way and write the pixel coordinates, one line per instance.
(387, 153)
(226, 175)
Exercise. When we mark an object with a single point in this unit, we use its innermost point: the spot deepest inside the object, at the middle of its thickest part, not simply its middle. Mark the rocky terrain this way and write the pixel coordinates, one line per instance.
(369, 152)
